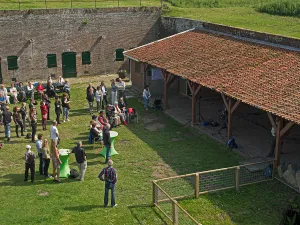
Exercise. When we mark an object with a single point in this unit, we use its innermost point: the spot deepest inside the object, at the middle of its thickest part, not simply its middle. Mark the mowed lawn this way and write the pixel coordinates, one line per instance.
(143, 156)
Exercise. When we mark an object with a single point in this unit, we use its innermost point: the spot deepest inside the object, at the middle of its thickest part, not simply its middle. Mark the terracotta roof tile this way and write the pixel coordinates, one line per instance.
(262, 76)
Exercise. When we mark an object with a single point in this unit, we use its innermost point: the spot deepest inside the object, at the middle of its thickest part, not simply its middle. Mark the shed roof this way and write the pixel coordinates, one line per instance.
(259, 75)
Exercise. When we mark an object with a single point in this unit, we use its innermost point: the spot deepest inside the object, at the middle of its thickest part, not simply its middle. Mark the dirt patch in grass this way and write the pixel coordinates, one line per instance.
(155, 126)
(149, 119)
(43, 193)
(176, 139)
(162, 170)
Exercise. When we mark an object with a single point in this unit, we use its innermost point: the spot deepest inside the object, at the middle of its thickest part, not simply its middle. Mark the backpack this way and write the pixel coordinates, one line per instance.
(28, 135)
(268, 171)
(231, 143)
(30, 158)
(74, 173)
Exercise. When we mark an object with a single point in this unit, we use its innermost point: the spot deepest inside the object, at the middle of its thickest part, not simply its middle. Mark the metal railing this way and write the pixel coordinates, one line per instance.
(54, 4)
(167, 190)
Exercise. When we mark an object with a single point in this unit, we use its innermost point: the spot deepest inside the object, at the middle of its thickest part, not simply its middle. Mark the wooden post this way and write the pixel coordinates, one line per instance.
(229, 118)
(230, 109)
(197, 185)
(168, 80)
(174, 212)
(195, 90)
(237, 178)
(154, 192)
(278, 141)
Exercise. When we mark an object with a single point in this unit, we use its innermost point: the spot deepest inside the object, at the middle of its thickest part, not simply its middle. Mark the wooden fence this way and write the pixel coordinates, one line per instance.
(167, 190)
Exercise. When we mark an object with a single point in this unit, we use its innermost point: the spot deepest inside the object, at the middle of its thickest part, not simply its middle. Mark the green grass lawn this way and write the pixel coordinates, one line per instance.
(143, 156)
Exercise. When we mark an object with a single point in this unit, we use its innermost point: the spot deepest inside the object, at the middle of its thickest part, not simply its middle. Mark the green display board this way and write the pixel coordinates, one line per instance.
(12, 62)
(119, 54)
(51, 61)
(86, 58)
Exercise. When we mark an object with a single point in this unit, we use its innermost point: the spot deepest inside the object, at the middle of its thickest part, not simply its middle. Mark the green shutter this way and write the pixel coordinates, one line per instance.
(51, 61)
(119, 54)
(86, 58)
(12, 62)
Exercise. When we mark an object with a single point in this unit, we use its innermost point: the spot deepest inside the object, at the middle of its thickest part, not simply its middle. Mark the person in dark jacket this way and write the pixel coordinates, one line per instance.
(90, 97)
(57, 105)
(50, 90)
(88, 88)
(106, 141)
(25, 117)
(18, 121)
(80, 159)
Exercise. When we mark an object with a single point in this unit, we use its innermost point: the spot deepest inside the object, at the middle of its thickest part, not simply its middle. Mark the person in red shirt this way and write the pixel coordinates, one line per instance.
(102, 119)
(40, 89)
(44, 111)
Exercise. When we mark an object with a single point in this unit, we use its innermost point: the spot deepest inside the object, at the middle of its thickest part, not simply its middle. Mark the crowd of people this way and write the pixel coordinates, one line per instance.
(109, 116)
(21, 115)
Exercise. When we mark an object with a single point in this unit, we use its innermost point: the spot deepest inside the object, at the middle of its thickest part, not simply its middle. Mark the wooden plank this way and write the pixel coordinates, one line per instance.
(198, 90)
(174, 212)
(190, 84)
(272, 120)
(235, 106)
(197, 185)
(229, 119)
(225, 101)
(278, 142)
(286, 128)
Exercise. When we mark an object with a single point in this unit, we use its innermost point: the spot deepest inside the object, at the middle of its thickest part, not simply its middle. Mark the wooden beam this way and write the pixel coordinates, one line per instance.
(272, 120)
(190, 84)
(229, 118)
(197, 90)
(286, 128)
(235, 106)
(225, 102)
(278, 142)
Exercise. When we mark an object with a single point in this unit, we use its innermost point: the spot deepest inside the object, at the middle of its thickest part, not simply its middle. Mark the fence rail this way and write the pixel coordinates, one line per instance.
(167, 190)
(52, 4)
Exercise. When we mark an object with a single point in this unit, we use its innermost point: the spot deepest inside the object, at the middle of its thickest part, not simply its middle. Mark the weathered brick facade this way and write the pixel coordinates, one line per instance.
(32, 34)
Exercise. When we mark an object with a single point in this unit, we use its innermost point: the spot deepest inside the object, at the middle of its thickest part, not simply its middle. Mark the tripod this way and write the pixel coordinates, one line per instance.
(200, 117)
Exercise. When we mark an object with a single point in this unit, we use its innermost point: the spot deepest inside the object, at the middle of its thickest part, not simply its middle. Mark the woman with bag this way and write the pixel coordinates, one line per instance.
(33, 120)
(44, 113)
(66, 107)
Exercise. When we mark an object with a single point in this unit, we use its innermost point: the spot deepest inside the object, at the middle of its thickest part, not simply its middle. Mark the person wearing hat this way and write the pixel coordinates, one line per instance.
(29, 163)
(109, 175)
(7, 118)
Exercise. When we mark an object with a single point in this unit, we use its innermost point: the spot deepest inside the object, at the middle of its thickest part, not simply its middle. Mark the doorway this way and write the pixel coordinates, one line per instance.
(69, 64)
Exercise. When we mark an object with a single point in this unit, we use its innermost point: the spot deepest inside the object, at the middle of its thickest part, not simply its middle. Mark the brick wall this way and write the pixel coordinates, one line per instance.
(32, 34)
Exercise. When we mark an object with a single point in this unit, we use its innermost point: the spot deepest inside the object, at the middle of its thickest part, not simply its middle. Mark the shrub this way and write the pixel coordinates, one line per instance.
(281, 8)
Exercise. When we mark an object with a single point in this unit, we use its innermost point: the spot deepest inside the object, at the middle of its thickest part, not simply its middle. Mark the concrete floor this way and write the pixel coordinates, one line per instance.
(251, 127)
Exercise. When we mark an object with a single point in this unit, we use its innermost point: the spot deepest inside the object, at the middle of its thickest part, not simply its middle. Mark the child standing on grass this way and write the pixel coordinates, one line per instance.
(29, 163)
(44, 113)
(66, 107)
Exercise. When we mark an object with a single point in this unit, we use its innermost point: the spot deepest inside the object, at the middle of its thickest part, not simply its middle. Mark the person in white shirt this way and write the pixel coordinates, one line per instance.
(121, 89)
(99, 95)
(54, 133)
(146, 96)
(60, 81)
(104, 92)
(49, 79)
(14, 93)
(4, 93)
(30, 89)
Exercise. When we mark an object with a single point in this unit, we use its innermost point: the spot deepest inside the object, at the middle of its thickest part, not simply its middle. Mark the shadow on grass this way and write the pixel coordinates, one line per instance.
(18, 180)
(83, 208)
(144, 213)
(80, 112)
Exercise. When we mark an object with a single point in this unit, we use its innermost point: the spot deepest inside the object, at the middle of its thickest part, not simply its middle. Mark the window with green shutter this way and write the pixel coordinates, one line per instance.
(51, 61)
(119, 54)
(86, 58)
(12, 62)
